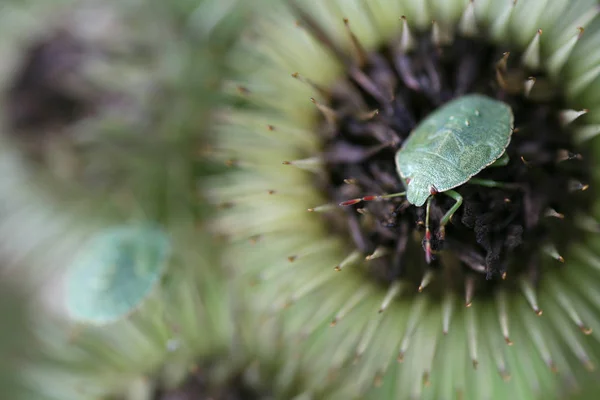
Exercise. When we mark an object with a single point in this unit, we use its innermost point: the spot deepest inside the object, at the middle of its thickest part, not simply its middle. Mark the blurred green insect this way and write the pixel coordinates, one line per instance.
(448, 148)
(115, 271)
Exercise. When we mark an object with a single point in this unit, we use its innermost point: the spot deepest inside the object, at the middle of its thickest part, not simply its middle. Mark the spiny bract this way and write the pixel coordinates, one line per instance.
(372, 70)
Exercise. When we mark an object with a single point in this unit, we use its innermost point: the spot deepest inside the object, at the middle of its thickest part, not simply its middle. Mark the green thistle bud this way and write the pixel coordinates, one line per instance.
(373, 71)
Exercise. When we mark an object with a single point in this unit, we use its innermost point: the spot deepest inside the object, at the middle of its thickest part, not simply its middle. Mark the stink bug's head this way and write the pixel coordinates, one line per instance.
(417, 190)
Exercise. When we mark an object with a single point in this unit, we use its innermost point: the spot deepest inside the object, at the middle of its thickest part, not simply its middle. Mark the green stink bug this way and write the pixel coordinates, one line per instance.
(115, 271)
(448, 148)
(452, 145)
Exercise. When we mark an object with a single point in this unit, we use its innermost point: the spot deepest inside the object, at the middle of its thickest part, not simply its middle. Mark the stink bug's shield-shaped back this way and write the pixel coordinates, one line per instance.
(115, 272)
(453, 144)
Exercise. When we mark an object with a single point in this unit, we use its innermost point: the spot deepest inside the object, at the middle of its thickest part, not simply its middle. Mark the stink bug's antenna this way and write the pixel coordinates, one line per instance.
(371, 198)
(427, 241)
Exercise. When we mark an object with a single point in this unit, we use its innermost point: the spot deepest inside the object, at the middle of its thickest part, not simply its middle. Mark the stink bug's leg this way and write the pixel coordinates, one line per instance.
(446, 218)
(491, 183)
(501, 162)
(427, 240)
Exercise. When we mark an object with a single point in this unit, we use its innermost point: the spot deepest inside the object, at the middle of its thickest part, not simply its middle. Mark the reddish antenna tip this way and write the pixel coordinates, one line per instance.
(433, 191)
(350, 202)
(428, 255)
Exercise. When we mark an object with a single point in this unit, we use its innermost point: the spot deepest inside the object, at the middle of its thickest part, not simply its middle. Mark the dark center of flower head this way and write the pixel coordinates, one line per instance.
(499, 232)
(200, 385)
(42, 95)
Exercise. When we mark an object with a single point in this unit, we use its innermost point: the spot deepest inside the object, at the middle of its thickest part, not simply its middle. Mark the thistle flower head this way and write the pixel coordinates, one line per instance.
(335, 90)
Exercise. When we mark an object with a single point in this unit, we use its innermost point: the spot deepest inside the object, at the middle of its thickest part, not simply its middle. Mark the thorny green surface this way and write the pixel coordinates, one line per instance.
(291, 255)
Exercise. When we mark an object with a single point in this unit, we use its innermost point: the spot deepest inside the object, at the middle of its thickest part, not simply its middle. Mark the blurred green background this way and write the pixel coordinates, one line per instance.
(104, 107)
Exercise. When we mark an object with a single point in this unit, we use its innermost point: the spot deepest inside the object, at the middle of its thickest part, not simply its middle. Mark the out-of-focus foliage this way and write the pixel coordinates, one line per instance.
(140, 79)
(146, 75)
(15, 340)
